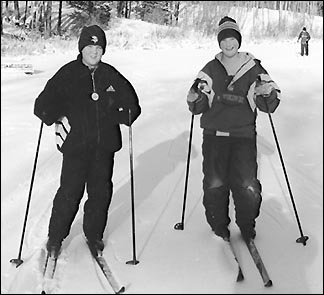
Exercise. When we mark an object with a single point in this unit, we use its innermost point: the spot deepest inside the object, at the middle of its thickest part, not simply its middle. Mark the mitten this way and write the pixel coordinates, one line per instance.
(263, 88)
(197, 98)
(268, 103)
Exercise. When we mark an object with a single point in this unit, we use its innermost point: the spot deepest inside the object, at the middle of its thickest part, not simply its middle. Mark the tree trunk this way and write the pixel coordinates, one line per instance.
(129, 9)
(16, 9)
(48, 20)
(90, 8)
(126, 9)
(41, 17)
(25, 16)
(59, 21)
(176, 11)
(120, 8)
(1, 19)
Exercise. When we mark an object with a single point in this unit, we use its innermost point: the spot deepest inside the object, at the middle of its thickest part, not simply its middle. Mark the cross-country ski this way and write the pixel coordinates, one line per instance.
(240, 276)
(259, 263)
(101, 262)
(48, 273)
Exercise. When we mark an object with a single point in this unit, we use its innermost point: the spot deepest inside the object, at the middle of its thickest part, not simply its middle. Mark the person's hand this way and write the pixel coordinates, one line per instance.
(197, 90)
(192, 95)
(268, 103)
(197, 101)
(263, 89)
(203, 87)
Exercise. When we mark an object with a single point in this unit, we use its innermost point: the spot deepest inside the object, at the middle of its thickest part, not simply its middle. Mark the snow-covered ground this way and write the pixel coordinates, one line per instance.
(170, 261)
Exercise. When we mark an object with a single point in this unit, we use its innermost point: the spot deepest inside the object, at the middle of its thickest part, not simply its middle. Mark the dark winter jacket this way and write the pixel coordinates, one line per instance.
(67, 101)
(228, 103)
(304, 36)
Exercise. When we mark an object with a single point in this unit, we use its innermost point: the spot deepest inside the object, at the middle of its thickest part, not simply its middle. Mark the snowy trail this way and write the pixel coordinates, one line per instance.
(171, 261)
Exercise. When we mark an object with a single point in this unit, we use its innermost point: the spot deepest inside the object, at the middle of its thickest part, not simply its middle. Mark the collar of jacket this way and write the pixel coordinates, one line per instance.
(248, 63)
(84, 70)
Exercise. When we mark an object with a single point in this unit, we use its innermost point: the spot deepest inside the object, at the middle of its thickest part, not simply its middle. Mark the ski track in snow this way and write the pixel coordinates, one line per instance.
(163, 130)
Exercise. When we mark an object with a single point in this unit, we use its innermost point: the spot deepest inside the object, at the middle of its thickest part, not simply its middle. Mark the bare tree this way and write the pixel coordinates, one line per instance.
(1, 19)
(128, 7)
(59, 21)
(120, 8)
(90, 8)
(25, 15)
(176, 11)
(16, 9)
(48, 19)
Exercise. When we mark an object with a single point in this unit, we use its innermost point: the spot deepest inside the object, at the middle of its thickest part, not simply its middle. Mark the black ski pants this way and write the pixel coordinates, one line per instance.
(229, 164)
(92, 170)
(304, 49)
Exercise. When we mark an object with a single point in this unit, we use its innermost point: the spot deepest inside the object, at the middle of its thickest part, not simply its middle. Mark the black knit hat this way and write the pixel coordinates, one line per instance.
(92, 35)
(227, 27)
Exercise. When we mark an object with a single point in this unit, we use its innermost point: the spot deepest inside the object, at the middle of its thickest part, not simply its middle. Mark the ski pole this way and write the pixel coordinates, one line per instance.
(180, 225)
(18, 261)
(134, 261)
(302, 238)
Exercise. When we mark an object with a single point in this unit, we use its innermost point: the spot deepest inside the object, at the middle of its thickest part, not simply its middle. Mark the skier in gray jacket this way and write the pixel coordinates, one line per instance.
(227, 93)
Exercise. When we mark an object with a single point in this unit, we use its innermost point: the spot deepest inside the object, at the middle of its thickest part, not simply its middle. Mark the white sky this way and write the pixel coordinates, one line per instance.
(189, 261)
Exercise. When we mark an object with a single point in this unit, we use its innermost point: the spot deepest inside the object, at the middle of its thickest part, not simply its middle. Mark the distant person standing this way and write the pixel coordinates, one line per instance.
(304, 37)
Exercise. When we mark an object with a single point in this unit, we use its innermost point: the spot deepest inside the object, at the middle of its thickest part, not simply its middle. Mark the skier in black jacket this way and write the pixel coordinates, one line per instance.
(87, 100)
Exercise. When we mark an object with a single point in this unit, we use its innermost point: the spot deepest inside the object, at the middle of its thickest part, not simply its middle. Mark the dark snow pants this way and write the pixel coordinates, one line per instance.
(229, 164)
(93, 171)
(304, 49)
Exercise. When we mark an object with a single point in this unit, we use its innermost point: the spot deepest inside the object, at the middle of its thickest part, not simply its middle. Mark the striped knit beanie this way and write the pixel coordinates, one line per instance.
(227, 27)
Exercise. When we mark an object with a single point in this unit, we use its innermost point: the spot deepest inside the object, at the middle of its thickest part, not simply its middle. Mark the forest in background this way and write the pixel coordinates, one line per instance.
(47, 17)
(38, 21)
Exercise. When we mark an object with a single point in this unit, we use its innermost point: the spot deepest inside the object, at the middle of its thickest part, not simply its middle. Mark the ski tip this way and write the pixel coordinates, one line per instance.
(43, 292)
(268, 283)
(121, 290)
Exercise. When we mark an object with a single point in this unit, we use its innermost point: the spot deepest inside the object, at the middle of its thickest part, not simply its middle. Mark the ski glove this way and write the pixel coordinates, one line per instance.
(266, 94)
(197, 97)
(268, 103)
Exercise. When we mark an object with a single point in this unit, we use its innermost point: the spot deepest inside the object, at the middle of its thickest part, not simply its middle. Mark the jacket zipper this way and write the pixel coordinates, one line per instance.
(97, 106)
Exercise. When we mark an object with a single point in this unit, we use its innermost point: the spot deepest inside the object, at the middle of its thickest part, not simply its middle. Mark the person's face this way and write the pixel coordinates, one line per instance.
(229, 46)
(91, 55)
